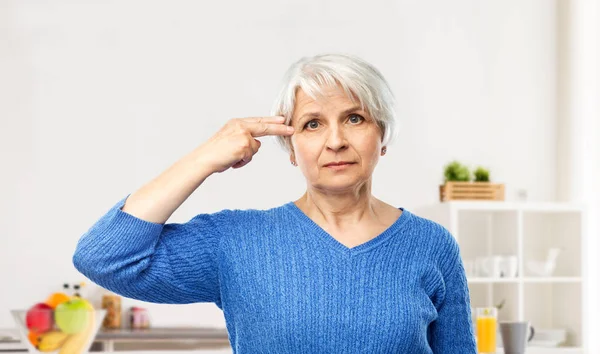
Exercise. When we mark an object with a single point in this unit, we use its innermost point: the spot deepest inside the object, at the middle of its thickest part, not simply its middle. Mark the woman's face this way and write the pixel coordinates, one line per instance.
(333, 129)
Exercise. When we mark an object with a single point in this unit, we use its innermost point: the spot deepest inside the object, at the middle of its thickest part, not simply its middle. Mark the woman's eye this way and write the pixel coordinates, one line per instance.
(353, 120)
(313, 124)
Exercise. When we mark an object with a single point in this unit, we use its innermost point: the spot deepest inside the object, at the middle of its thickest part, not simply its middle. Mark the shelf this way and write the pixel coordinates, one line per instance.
(481, 280)
(549, 350)
(531, 232)
(513, 206)
(492, 280)
(552, 280)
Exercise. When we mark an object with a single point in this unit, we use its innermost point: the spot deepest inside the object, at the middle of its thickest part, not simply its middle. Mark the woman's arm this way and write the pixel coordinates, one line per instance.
(452, 331)
(133, 253)
(172, 263)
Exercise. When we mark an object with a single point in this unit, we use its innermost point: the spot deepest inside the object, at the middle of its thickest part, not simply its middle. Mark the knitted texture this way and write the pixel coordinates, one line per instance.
(287, 286)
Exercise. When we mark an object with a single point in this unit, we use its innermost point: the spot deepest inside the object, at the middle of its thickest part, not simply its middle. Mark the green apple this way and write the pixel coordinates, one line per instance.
(71, 316)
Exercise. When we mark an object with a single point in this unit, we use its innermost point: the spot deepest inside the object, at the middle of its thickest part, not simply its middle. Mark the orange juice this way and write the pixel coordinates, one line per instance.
(486, 335)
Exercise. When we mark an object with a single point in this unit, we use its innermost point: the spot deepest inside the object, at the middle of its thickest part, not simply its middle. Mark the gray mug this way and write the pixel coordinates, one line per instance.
(514, 336)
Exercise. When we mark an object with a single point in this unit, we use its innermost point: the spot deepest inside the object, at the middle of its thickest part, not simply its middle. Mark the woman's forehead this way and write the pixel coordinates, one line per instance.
(322, 92)
(329, 96)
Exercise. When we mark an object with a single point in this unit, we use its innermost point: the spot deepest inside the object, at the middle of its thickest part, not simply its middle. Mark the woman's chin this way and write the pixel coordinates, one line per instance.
(339, 186)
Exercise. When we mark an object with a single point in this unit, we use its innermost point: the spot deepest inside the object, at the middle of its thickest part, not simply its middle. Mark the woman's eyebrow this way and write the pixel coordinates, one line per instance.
(318, 114)
(351, 109)
(310, 114)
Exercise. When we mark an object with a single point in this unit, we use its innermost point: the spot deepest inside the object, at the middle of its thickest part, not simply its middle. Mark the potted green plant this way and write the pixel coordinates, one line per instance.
(456, 172)
(481, 174)
(459, 184)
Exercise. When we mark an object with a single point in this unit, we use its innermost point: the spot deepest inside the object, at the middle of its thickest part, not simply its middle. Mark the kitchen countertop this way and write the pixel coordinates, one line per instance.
(230, 351)
(200, 335)
(207, 351)
(171, 333)
(212, 335)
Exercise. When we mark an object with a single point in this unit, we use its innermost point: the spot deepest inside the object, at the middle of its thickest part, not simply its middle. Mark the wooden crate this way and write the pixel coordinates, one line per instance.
(471, 191)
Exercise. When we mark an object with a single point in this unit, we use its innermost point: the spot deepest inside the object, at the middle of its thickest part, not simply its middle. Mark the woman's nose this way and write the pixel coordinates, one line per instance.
(336, 139)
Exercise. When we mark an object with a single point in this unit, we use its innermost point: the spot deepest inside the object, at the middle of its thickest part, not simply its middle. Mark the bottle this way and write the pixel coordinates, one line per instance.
(78, 289)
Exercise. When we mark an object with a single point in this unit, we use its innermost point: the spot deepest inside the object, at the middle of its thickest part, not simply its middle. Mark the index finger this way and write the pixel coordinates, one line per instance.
(269, 119)
(263, 129)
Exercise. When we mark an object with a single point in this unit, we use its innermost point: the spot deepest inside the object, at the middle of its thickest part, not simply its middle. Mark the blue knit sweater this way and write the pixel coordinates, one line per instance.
(287, 286)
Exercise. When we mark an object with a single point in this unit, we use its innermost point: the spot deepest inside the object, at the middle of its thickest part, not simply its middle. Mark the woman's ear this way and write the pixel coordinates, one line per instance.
(291, 150)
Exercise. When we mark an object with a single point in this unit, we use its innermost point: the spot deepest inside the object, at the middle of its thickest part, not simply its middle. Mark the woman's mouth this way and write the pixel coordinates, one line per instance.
(339, 165)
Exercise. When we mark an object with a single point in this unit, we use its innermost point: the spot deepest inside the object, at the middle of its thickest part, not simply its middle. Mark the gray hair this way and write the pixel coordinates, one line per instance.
(359, 80)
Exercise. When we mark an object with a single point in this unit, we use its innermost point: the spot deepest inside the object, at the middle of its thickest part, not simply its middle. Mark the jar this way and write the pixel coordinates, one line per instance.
(112, 304)
(139, 318)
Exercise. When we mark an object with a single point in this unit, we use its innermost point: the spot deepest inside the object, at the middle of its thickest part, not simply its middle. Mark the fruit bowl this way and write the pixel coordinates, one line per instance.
(66, 329)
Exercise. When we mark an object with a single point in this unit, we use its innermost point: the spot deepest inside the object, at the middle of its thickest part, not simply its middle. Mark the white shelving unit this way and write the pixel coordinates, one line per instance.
(527, 230)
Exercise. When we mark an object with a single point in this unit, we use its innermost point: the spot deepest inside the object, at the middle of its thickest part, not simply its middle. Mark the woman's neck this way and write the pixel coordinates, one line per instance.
(340, 210)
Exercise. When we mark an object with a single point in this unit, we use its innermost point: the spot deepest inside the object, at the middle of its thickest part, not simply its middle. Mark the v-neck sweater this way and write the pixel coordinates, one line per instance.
(285, 285)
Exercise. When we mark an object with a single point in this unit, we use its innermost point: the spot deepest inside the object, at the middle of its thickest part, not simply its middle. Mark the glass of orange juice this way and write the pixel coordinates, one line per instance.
(487, 320)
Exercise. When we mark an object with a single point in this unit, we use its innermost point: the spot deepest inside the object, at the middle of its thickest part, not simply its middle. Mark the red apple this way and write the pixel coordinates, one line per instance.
(40, 318)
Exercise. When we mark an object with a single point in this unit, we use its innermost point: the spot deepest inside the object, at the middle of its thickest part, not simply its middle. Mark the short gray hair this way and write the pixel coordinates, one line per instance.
(357, 78)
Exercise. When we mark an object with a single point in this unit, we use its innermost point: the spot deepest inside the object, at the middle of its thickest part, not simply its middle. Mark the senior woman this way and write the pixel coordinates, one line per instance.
(335, 271)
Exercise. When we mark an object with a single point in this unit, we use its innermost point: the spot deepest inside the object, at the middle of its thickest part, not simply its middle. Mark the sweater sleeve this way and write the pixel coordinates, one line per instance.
(160, 263)
(452, 331)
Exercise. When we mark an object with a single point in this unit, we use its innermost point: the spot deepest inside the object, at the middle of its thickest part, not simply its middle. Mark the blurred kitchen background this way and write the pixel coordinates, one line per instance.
(98, 97)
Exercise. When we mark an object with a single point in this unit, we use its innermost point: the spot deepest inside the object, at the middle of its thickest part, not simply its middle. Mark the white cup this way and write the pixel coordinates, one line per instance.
(510, 266)
(491, 266)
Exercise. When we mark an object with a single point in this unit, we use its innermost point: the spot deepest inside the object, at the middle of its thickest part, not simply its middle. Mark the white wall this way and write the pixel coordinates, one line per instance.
(98, 98)
(578, 128)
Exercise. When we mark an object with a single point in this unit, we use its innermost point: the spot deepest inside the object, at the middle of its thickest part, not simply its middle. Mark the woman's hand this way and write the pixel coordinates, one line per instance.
(235, 144)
